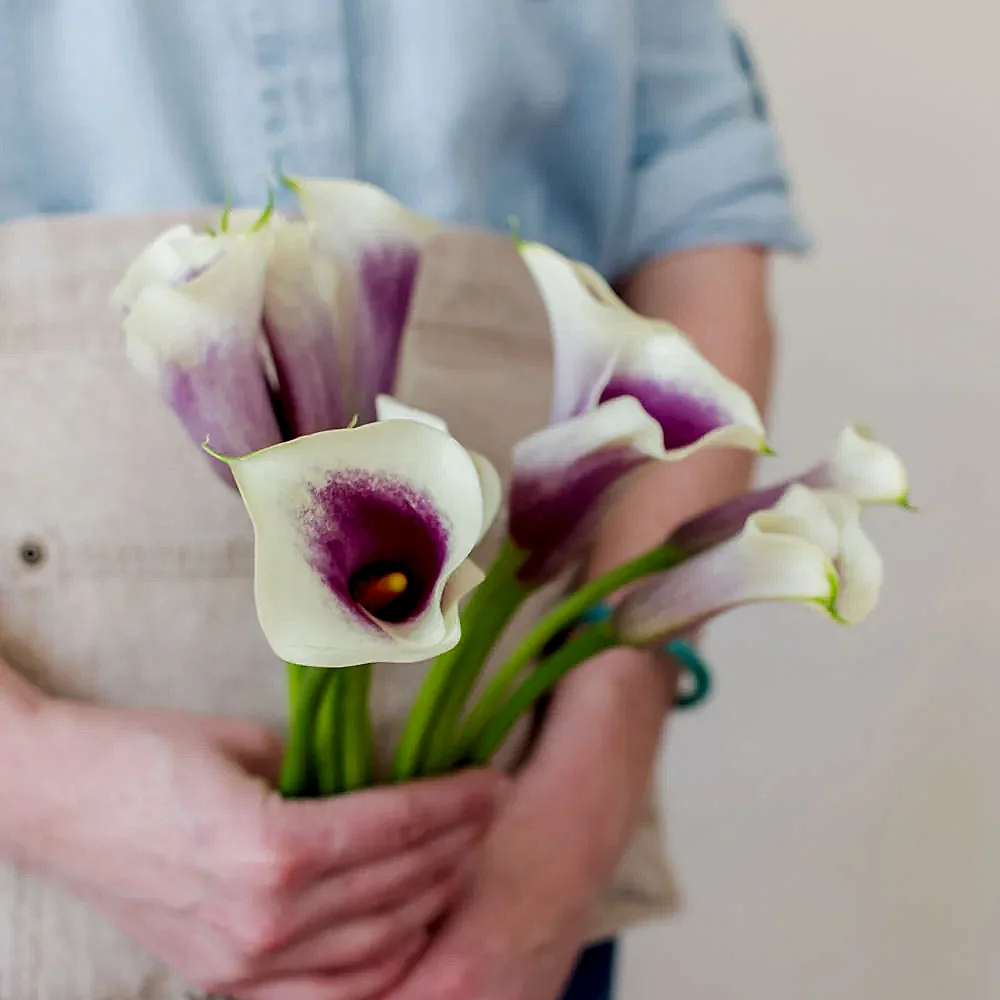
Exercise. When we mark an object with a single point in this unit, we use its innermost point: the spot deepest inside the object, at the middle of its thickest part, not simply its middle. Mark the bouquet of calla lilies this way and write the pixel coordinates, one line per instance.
(275, 342)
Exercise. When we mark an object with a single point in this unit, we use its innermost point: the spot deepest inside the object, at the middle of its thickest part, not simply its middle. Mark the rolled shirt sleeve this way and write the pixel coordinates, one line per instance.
(706, 165)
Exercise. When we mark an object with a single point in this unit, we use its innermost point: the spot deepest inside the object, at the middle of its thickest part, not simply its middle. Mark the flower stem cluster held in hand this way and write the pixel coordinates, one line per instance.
(238, 890)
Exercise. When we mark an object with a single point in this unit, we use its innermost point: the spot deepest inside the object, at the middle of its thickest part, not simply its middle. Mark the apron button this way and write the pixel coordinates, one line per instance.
(32, 553)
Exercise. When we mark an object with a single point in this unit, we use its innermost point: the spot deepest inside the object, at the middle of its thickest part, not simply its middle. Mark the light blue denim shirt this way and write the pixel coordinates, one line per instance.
(615, 130)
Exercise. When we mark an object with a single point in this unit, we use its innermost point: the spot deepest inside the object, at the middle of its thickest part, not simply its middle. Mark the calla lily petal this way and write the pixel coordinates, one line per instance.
(375, 243)
(769, 560)
(362, 538)
(565, 476)
(584, 347)
(390, 408)
(811, 517)
(860, 568)
(200, 343)
(491, 486)
(863, 468)
(305, 340)
(689, 398)
(175, 257)
(855, 557)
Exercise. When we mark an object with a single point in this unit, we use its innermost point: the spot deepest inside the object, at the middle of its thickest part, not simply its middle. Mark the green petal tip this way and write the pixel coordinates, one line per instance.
(766, 449)
(265, 217)
(514, 225)
(287, 182)
(227, 211)
(829, 603)
(209, 450)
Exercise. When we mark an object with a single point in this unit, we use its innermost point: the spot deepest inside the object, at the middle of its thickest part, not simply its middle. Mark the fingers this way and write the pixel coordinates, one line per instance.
(361, 942)
(360, 984)
(358, 829)
(383, 884)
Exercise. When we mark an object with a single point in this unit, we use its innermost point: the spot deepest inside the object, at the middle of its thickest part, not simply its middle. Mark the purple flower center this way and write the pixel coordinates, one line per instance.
(684, 418)
(378, 544)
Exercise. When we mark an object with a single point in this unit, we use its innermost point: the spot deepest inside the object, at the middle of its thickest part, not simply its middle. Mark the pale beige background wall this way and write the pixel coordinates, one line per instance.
(835, 813)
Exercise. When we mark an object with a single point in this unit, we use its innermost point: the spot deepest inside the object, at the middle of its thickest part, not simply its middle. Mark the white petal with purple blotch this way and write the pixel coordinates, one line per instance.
(692, 401)
(863, 468)
(306, 340)
(603, 350)
(769, 560)
(375, 243)
(335, 510)
(200, 342)
(565, 476)
(390, 408)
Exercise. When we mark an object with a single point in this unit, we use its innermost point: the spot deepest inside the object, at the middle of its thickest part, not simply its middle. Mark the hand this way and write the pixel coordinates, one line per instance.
(556, 842)
(521, 927)
(165, 823)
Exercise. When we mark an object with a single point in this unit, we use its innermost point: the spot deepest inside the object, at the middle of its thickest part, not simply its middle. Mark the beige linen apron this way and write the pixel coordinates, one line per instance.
(126, 566)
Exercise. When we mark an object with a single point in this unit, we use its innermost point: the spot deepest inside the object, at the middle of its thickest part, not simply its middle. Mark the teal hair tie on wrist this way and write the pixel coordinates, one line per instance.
(695, 668)
(696, 679)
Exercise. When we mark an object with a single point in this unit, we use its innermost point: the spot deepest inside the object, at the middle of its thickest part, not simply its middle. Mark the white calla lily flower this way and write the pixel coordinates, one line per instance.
(362, 537)
(604, 350)
(773, 558)
(863, 468)
(808, 547)
(193, 308)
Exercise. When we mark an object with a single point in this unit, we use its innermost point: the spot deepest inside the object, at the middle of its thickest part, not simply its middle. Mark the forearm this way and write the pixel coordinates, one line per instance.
(19, 700)
(20, 703)
(599, 745)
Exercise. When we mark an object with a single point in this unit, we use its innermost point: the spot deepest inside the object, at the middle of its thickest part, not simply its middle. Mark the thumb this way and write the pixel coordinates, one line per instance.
(252, 747)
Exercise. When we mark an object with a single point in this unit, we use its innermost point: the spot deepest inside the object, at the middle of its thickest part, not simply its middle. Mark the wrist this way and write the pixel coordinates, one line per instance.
(587, 785)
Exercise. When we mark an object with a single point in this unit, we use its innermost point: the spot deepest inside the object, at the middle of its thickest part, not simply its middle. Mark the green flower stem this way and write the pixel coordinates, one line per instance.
(561, 617)
(585, 644)
(439, 703)
(293, 681)
(305, 689)
(356, 728)
(492, 605)
(327, 736)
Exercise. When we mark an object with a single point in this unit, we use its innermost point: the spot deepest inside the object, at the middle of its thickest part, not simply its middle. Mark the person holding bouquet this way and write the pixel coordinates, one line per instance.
(144, 848)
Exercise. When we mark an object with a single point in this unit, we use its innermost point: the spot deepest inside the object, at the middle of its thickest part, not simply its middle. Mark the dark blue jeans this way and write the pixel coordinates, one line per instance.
(594, 976)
